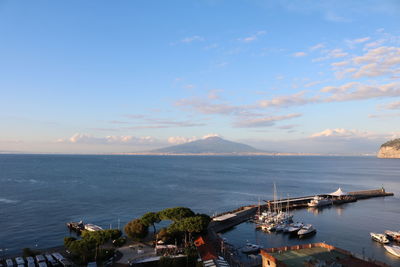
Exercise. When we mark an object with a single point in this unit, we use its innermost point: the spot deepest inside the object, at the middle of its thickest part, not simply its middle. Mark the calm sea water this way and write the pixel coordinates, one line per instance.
(40, 193)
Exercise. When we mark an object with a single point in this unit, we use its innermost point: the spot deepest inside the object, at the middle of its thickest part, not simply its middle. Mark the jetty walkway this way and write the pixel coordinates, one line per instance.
(228, 219)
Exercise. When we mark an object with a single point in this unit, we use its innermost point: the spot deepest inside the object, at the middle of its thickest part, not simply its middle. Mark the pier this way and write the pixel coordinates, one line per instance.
(229, 219)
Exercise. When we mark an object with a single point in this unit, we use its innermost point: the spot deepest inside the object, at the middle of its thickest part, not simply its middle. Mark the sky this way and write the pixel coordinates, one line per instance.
(129, 76)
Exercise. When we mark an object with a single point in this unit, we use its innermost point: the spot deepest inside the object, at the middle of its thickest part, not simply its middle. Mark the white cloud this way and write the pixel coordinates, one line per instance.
(374, 44)
(311, 84)
(177, 140)
(191, 39)
(83, 138)
(214, 94)
(339, 64)
(378, 62)
(393, 105)
(343, 134)
(265, 121)
(296, 99)
(317, 46)
(380, 116)
(253, 37)
(346, 92)
(359, 91)
(354, 42)
(205, 107)
(331, 54)
(211, 135)
(299, 54)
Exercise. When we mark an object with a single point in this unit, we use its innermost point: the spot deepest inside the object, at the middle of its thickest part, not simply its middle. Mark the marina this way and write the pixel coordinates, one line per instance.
(229, 219)
(259, 214)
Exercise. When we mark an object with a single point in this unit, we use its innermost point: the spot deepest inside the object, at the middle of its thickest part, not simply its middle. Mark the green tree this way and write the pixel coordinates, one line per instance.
(151, 218)
(176, 214)
(88, 247)
(189, 226)
(136, 229)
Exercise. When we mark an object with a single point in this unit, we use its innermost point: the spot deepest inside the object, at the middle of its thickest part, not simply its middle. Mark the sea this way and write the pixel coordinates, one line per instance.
(40, 193)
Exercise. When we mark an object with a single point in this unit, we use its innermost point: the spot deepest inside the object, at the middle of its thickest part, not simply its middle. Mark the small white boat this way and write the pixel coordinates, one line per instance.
(250, 248)
(318, 201)
(40, 258)
(381, 238)
(307, 229)
(92, 227)
(395, 250)
(280, 227)
(392, 235)
(19, 261)
(50, 259)
(30, 260)
(294, 228)
(268, 227)
(9, 263)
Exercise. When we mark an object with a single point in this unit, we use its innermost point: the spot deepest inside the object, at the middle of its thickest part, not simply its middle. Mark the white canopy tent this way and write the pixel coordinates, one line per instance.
(338, 193)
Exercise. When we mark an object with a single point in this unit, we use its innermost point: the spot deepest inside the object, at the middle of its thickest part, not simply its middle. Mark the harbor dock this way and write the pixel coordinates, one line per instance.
(226, 220)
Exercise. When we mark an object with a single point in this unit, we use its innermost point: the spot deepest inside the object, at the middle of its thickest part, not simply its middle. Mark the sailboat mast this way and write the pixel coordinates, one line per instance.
(275, 208)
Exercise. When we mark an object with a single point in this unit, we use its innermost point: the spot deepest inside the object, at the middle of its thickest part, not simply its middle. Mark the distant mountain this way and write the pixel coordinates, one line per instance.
(211, 145)
(390, 149)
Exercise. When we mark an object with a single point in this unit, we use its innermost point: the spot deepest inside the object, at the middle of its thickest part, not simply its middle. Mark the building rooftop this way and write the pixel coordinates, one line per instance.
(318, 254)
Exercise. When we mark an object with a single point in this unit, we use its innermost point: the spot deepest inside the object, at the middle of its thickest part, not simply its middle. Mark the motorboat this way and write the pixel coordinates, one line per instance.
(268, 227)
(318, 201)
(92, 227)
(271, 227)
(39, 258)
(392, 235)
(50, 259)
(280, 227)
(9, 263)
(30, 260)
(395, 250)
(250, 248)
(381, 238)
(307, 229)
(20, 261)
(294, 228)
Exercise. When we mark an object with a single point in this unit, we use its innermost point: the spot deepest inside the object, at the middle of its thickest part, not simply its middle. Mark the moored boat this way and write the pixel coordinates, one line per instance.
(381, 238)
(92, 227)
(250, 248)
(392, 235)
(294, 228)
(395, 250)
(318, 201)
(306, 230)
(280, 227)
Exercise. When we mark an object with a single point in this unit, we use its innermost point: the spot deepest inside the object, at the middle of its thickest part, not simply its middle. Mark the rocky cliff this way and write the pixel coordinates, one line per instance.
(390, 149)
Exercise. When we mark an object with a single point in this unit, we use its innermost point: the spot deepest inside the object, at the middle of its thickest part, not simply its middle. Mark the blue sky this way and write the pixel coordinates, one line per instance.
(125, 76)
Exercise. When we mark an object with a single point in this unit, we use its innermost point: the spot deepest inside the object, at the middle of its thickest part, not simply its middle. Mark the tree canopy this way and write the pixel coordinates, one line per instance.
(151, 218)
(176, 214)
(394, 143)
(136, 229)
(87, 247)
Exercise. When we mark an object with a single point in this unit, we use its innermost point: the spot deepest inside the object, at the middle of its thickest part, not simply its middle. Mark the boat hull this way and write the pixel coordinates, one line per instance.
(394, 250)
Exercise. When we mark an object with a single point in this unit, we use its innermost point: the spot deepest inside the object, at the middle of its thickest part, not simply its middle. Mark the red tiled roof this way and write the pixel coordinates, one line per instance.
(205, 249)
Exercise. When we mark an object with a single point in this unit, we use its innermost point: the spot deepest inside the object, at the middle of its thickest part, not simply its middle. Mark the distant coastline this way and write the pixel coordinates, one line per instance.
(195, 154)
